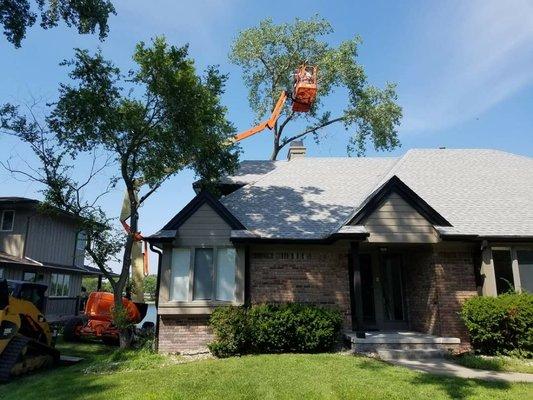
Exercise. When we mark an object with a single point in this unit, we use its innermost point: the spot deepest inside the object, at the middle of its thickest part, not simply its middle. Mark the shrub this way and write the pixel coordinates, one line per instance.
(268, 328)
(230, 327)
(500, 325)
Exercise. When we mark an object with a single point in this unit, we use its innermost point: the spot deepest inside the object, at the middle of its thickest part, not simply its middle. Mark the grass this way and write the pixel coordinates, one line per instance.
(499, 363)
(107, 374)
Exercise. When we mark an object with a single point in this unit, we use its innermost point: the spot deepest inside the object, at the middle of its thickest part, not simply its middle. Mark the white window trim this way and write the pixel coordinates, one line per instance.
(2, 221)
(53, 296)
(190, 290)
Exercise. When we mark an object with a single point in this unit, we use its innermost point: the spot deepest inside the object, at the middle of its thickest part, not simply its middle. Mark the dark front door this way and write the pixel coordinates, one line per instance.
(392, 291)
(382, 292)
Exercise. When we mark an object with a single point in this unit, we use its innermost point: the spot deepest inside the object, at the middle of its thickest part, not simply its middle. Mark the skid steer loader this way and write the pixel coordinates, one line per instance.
(26, 338)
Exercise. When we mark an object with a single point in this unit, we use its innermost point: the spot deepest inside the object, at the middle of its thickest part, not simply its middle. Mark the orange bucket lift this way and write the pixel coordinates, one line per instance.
(303, 97)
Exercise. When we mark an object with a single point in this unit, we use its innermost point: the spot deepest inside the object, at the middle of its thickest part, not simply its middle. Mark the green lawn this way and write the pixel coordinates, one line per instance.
(108, 375)
(506, 364)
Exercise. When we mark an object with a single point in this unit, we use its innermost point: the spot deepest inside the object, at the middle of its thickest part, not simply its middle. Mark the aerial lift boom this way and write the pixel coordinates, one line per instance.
(303, 97)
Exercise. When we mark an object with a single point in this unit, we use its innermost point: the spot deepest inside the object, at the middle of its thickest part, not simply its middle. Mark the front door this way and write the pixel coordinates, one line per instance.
(382, 292)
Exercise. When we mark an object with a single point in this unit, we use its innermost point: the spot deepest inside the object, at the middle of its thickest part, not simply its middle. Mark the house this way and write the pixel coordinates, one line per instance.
(40, 247)
(395, 243)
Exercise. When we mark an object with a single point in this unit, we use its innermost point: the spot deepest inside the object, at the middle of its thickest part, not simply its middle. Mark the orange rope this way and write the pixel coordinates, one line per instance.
(137, 237)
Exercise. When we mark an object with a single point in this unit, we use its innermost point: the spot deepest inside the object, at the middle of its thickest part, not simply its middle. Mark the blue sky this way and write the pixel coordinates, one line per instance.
(464, 72)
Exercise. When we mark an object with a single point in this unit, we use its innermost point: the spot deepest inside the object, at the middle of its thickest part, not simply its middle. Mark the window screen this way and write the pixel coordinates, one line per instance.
(179, 286)
(225, 276)
(203, 274)
(525, 266)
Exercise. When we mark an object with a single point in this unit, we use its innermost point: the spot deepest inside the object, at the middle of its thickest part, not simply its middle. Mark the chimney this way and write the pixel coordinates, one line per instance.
(296, 150)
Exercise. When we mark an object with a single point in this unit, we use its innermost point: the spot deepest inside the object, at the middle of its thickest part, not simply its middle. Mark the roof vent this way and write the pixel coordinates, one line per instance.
(296, 150)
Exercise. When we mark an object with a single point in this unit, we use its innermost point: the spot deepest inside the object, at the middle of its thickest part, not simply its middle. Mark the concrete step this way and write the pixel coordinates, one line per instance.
(412, 354)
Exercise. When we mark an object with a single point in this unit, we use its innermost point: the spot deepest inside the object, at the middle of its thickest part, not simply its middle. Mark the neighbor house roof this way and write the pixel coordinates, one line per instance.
(13, 261)
(486, 193)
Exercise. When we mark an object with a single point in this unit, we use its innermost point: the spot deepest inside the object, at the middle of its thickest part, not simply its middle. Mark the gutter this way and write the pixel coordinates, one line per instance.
(158, 283)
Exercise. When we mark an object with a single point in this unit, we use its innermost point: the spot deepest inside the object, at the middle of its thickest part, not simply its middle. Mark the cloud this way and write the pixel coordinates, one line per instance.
(476, 55)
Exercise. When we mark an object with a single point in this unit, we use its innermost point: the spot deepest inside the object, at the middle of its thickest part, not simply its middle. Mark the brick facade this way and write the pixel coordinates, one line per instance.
(183, 334)
(437, 284)
(304, 275)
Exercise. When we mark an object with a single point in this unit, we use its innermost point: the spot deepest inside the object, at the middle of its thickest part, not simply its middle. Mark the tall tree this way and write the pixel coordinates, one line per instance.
(269, 54)
(16, 16)
(154, 121)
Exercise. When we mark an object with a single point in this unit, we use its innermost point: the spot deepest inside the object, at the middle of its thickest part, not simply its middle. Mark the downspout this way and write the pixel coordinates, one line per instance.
(158, 282)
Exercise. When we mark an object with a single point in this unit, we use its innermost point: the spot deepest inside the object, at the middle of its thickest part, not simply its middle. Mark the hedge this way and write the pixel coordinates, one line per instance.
(269, 328)
(500, 325)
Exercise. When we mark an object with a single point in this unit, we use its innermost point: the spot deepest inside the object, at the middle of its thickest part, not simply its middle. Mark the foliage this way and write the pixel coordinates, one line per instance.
(91, 284)
(150, 283)
(285, 376)
(268, 328)
(121, 317)
(231, 328)
(500, 325)
(269, 54)
(16, 16)
(151, 122)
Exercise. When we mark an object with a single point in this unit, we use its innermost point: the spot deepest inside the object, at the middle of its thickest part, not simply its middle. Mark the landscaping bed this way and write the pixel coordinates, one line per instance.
(108, 374)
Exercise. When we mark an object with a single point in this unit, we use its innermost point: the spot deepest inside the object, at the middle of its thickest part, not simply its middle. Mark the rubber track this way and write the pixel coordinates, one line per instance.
(10, 356)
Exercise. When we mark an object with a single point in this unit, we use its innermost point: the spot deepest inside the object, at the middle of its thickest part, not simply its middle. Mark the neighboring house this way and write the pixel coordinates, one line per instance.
(43, 248)
(394, 243)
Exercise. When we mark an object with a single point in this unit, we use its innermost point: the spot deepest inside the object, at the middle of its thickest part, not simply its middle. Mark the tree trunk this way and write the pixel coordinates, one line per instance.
(125, 334)
(276, 147)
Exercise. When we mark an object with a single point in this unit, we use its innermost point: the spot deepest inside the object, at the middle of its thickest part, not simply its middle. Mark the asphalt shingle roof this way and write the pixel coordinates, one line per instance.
(483, 192)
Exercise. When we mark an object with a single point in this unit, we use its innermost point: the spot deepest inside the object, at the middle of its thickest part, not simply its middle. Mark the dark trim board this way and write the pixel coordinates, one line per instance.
(327, 240)
(199, 200)
(395, 185)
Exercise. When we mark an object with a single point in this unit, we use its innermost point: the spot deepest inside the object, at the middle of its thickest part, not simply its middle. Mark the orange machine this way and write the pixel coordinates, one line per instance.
(303, 97)
(97, 322)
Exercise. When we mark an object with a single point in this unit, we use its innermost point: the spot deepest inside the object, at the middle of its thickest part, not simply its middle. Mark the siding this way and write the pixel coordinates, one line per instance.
(395, 221)
(51, 240)
(12, 242)
(204, 228)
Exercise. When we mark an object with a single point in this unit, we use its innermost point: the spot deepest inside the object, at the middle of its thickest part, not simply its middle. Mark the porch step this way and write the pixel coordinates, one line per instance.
(402, 345)
(411, 354)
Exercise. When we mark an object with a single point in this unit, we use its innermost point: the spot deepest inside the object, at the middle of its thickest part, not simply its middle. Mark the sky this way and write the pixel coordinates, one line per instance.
(464, 71)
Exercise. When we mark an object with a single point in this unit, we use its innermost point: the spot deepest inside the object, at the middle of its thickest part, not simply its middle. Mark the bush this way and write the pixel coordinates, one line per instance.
(269, 328)
(500, 325)
(231, 330)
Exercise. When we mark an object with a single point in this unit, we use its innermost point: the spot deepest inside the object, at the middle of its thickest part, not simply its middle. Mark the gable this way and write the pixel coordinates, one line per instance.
(203, 221)
(396, 221)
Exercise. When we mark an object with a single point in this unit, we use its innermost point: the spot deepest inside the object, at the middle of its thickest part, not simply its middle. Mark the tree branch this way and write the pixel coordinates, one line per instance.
(308, 131)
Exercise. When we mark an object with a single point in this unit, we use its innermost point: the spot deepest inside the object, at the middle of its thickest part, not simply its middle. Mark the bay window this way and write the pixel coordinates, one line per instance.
(203, 274)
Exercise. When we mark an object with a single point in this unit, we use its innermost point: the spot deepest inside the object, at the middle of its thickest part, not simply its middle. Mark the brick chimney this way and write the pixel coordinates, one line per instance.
(296, 150)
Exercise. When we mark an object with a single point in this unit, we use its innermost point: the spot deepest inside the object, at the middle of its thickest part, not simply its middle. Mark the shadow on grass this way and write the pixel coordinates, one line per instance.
(458, 388)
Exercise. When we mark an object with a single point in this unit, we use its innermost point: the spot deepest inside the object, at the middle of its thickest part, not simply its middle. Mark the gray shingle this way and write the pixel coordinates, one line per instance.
(483, 192)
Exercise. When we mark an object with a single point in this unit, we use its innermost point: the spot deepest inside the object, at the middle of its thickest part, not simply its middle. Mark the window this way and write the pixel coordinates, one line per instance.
(525, 266)
(212, 271)
(7, 220)
(59, 285)
(225, 274)
(503, 270)
(179, 285)
(81, 240)
(1, 273)
(33, 276)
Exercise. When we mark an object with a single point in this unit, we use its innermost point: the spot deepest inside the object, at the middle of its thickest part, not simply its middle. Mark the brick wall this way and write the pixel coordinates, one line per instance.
(184, 334)
(437, 284)
(305, 275)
